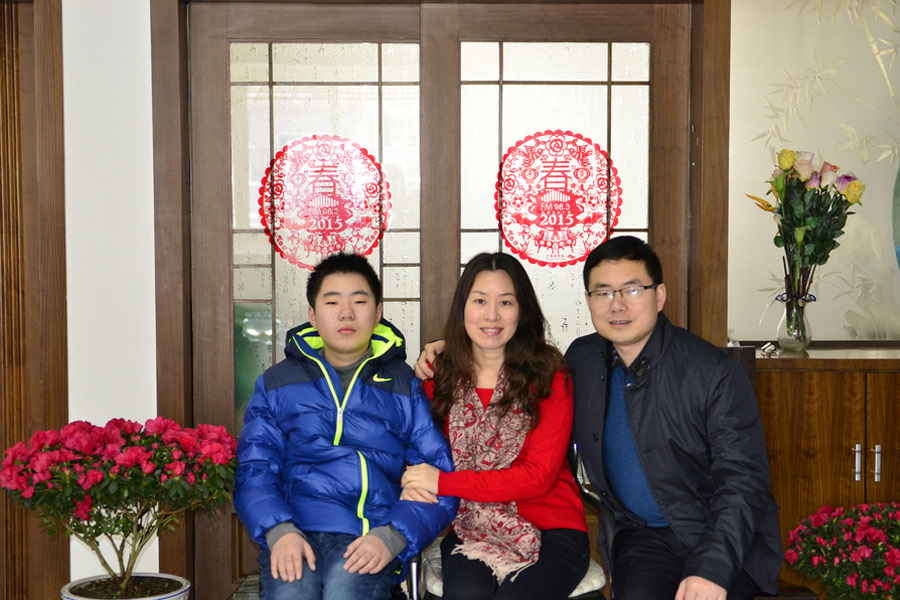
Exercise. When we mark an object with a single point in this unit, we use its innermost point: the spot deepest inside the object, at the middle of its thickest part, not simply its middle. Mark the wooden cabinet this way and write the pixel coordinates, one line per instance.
(815, 411)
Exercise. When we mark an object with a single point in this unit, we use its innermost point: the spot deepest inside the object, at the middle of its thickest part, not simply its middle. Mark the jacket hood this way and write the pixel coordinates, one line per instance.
(387, 341)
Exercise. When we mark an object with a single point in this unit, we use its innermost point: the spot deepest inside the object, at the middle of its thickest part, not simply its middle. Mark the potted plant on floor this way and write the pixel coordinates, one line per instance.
(853, 552)
(123, 483)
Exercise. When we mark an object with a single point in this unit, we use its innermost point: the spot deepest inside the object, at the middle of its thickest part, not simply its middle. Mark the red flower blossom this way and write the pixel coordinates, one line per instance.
(83, 508)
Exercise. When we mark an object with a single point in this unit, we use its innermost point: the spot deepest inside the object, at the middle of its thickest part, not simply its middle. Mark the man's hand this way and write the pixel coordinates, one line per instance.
(698, 588)
(287, 557)
(422, 476)
(423, 368)
(418, 495)
(366, 554)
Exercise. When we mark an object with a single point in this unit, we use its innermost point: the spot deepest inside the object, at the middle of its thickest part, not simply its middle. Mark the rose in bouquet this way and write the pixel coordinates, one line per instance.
(811, 208)
(123, 482)
(854, 552)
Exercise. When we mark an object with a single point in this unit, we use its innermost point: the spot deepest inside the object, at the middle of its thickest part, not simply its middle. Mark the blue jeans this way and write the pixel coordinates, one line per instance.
(329, 581)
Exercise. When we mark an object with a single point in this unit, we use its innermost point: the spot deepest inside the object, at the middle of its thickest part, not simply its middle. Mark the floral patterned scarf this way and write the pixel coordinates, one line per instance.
(493, 533)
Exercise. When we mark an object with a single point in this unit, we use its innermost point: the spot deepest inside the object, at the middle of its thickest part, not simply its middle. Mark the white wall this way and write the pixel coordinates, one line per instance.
(109, 220)
(839, 107)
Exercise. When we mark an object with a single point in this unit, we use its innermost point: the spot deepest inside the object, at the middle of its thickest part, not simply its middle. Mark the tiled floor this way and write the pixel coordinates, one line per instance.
(248, 589)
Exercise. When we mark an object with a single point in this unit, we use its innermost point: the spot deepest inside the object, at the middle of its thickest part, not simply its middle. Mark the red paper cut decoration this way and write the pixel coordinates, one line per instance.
(557, 196)
(323, 194)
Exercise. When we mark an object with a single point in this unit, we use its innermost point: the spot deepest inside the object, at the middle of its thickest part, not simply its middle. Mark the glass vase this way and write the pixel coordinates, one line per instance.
(794, 334)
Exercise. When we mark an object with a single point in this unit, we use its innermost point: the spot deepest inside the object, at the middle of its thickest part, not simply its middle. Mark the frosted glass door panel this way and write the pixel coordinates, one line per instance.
(630, 145)
(252, 249)
(480, 155)
(531, 108)
(561, 294)
(554, 62)
(475, 242)
(250, 153)
(407, 316)
(249, 62)
(631, 62)
(400, 62)
(480, 61)
(325, 62)
(399, 156)
(401, 247)
(346, 111)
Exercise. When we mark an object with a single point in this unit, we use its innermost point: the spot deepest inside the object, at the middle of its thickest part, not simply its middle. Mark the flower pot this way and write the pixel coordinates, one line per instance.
(180, 594)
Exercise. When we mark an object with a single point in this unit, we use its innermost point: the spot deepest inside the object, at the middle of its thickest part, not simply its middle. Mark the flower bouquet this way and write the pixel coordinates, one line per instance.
(811, 208)
(123, 482)
(854, 552)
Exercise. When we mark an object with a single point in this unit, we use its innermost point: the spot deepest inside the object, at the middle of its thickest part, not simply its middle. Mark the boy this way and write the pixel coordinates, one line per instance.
(326, 437)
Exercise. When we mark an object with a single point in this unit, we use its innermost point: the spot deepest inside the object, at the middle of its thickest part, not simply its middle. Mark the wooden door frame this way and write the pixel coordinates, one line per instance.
(33, 373)
(210, 273)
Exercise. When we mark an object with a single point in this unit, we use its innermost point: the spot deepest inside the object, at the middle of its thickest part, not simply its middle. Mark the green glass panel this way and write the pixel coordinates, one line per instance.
(252, 351)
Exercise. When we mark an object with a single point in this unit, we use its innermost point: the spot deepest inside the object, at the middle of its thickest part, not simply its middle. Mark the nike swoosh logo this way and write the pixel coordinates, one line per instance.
(377, 379)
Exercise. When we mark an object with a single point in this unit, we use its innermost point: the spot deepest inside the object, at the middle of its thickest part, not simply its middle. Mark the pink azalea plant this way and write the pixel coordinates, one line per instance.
(854, 551)
(122, 482)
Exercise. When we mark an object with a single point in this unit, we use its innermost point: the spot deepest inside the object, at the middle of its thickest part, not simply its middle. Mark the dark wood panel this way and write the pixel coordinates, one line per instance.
(812, 422)
(554, 22)
(213, 358)
(440, 144)
(843, 359)
(883, 427)
(312, 22)
(669, 167)
(172, 243)
(12, 298)
(45, 400)
(708, 310)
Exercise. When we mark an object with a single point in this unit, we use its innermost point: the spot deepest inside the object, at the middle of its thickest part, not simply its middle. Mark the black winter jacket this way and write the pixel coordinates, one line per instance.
(700, 440)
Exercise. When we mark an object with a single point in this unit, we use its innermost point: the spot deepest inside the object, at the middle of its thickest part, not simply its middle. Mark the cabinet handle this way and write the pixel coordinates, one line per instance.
(877, 471)
(857, 462)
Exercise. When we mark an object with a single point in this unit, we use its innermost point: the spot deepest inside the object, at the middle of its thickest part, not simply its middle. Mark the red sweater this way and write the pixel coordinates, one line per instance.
(539, 480)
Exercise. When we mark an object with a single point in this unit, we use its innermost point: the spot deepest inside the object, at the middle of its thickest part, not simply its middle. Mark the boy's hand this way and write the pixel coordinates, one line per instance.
(287, 557)
(422, 476)
(423, 367)
(418, 495)
(366, 554)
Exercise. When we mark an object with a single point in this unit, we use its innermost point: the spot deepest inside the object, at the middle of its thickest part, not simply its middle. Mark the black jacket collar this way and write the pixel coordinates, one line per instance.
(653, 350)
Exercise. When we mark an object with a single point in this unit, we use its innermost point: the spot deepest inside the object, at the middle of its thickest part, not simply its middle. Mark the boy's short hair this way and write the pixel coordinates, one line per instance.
(625, 247)
(342, 262)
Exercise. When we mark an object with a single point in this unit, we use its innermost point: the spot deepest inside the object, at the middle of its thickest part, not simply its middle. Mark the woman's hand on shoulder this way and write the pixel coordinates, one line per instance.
(424, 367)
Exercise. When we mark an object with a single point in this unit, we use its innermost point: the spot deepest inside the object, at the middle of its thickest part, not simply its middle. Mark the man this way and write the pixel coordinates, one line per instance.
(669, 432)
(325, 439)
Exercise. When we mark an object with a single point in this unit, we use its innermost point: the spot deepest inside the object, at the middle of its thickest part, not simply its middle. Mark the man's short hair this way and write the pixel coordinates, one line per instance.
(341, 262)
(625, 247)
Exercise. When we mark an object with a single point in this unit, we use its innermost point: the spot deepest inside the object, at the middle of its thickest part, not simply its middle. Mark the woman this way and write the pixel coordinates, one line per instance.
(504, 399)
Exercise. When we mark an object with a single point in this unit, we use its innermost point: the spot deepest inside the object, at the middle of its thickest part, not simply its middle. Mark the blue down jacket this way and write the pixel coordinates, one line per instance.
(330, 460)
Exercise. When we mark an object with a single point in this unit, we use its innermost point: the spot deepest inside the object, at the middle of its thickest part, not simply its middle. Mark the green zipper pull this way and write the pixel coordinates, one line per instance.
(339, 428)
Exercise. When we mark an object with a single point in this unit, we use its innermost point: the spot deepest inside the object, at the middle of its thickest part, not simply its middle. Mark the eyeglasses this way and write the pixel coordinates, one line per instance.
(629, 292)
